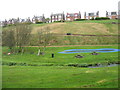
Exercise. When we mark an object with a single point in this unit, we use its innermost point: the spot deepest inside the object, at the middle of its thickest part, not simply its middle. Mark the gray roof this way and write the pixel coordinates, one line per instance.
(57, 14)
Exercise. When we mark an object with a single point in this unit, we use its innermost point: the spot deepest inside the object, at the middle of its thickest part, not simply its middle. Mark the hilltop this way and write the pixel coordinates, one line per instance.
(87, 27)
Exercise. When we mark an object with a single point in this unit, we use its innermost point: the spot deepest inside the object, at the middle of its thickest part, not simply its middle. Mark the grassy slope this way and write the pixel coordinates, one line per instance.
(82, 27)
(88, 27)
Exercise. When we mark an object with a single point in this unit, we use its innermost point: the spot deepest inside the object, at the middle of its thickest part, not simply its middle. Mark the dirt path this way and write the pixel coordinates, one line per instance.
(86, 35)
(71, 45)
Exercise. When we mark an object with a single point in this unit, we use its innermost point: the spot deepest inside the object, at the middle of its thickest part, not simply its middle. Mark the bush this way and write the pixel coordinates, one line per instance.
(39, 22)
(60, 21)
(80, 19)
(102, 18)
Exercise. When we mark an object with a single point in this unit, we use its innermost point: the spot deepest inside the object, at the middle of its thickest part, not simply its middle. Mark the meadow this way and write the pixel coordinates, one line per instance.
(61, 59)
(59, 77)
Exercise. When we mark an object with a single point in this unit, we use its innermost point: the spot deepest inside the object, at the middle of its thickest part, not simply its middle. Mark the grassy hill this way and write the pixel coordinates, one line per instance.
(92, 27)
(87, 27)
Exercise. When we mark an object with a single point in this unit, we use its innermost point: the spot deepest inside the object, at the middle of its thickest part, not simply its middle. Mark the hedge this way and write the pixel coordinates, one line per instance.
(80, 19)
(102, 18)
(39, 22)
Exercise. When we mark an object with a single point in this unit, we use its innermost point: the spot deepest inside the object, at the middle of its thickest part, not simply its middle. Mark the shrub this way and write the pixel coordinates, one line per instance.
(57, 21)
(102, 18)
(80, 19)
(39, 22)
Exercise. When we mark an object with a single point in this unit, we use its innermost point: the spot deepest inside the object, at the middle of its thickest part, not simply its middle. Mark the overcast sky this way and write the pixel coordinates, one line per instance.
(29, 8)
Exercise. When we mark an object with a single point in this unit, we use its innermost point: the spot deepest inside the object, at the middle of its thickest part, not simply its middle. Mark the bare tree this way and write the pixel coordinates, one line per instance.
(44, 37)
(18, 35)
(8, 38)
(47, 37)
(22, 35)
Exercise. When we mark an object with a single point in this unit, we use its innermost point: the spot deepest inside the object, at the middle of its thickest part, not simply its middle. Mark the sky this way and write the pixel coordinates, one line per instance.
(29, 8)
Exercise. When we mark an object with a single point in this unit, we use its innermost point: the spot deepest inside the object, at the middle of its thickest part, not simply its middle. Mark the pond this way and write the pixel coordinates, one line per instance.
(102, 50)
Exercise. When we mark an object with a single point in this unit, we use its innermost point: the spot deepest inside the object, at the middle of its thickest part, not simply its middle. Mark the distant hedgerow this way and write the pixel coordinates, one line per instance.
(80, 19)
(102, 18)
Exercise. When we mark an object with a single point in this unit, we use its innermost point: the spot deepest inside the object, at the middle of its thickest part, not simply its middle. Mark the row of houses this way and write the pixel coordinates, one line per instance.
(59, 17)
(19, 20)
(74, 16)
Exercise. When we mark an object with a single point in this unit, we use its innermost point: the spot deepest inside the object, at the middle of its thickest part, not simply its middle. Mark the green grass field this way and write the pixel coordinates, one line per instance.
(62, 59)
(47, 72)
(59, 77)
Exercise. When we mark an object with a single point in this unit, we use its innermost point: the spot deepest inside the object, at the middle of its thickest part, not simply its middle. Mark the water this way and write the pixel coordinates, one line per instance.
(102, 50)
(111, 65)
